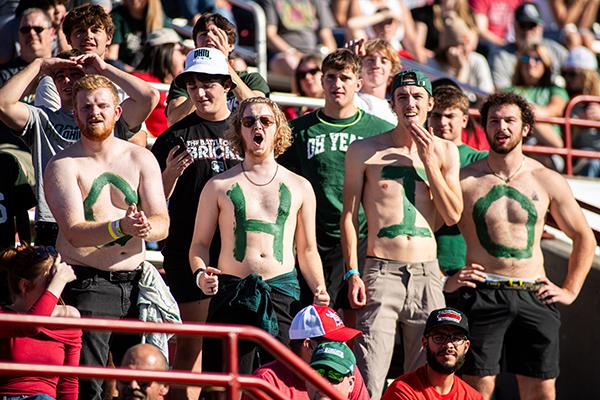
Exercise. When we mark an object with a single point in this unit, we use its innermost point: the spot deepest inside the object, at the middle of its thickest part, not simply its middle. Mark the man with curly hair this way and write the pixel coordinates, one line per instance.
(266, 216)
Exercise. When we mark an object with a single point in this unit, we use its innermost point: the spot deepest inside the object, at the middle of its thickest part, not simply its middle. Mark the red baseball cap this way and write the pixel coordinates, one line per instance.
(320, 321)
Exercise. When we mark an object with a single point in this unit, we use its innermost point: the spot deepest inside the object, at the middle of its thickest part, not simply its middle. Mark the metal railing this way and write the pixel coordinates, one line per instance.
(232, 380)
(260, 32)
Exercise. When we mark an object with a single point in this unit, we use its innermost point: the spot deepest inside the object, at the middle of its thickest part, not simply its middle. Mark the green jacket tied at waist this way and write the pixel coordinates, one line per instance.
(252, 293)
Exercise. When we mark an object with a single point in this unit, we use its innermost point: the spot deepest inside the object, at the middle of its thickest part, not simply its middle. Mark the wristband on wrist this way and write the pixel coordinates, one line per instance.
(114, 229)
(197, 274)
(350, 272)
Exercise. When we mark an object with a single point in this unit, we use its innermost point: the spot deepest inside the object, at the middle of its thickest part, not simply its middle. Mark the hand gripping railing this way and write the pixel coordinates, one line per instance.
(232, 380)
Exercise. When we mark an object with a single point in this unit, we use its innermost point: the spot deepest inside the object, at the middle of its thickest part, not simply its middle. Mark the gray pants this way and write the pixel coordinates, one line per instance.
(399, 295)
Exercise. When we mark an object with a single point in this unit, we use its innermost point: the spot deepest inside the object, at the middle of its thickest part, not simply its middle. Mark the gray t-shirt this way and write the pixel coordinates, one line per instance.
(48, 132)
(298, 21)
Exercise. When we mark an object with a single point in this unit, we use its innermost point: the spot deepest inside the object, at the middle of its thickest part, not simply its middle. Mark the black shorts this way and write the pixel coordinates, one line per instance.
(179, 278)
(514, 324)
(333, 269)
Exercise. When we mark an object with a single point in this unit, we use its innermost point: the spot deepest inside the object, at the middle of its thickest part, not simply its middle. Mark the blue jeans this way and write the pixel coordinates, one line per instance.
(97, 297)
(23, 397)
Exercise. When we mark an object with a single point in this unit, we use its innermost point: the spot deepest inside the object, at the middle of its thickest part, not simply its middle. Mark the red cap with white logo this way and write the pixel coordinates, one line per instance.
(320, 321)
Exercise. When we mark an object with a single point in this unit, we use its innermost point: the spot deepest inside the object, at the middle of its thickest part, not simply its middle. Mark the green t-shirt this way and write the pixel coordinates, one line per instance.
(317, 153)
(451, 245)
(541, 95)
(253, 80)
(130, 35)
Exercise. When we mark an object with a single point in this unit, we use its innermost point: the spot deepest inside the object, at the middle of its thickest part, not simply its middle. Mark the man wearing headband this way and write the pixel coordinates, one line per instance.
(407, 182)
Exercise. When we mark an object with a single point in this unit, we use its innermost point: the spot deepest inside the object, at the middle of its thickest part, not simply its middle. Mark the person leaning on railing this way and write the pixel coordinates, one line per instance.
(36, 278)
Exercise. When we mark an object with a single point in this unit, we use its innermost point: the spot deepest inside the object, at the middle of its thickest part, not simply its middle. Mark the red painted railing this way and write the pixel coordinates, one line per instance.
(568, 122)
(232, 381)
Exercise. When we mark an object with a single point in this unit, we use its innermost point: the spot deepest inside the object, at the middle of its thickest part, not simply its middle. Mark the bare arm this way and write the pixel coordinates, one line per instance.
(567, 213)
(274, 41)
(326, 36)
(441, 162)
(353, 187)
(555, 108)
(14, 113)
(178, 109)
(207, 217)
(565, 15)
(306, 246)
(113, 52)
(482, 24)
(142, 97)
(152, 199)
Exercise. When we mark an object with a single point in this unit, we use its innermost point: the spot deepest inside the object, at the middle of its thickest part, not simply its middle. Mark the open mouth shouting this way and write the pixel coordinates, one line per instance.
(258, 138)
(501, 138)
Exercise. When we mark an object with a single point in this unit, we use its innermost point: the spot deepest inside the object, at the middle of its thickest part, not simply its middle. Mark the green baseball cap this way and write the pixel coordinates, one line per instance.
(334, 355)
(412, 77)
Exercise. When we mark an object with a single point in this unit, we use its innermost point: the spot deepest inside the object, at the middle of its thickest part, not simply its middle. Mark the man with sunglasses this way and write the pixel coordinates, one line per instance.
(35, 39)
(446, 341)
(266, 216)
(529, 30)
(312, 326)
(190, 153)
(335, 362)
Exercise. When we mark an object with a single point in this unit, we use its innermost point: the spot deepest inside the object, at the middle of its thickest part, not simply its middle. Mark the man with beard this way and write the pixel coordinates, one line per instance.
(407, 182)
(49, 132)
(511, 303)
(266, 216)
(446, 341)
(147, 357)
(107, 197)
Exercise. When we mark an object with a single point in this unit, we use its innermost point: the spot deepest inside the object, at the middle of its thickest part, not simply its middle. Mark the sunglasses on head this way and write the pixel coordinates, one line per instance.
(45, 252)
(26, 29)
(527, 25)
(331, 375)
(525, 58)
(265, 120)
(312, 71)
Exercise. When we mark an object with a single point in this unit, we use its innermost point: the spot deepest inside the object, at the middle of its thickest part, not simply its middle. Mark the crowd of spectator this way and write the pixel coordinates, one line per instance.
(389, 184)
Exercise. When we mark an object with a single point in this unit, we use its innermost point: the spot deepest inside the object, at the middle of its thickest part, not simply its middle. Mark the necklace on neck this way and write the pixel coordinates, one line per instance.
(508, 178)
(259, 184)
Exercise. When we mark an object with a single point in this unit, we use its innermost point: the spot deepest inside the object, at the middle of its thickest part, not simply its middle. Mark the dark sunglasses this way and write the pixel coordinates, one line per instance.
(44, 252)
(525, 58)
(265, 121)
(331, 375)
(313, 71)
(26, 29)
(569, 73)
(527, 25)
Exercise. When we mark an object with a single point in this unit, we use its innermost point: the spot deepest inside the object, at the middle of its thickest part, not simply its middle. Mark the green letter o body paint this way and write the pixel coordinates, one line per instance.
(481, 208)
(243, 225)
(106, 178)
(409, 177)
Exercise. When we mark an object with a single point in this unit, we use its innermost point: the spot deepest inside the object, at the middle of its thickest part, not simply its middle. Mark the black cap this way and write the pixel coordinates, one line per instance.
(447, 317)
(528, 13)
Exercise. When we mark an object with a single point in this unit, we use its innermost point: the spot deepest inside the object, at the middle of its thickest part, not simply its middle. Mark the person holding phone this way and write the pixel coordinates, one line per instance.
(206, 154)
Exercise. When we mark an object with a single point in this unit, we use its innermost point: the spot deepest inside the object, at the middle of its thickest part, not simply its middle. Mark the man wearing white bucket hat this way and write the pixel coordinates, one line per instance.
(196, 142)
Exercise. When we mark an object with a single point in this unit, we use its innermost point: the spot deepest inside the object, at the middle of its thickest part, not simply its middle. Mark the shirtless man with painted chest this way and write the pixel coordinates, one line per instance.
(407, 181)
(105, 209)
(510, 303)
(263, 212)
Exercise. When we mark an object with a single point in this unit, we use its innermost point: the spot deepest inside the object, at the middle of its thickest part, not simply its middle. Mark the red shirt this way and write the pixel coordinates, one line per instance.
(294, 388)
(475, 137)
(415, 386)
(40, 346)
(157, 120)
(500, 14)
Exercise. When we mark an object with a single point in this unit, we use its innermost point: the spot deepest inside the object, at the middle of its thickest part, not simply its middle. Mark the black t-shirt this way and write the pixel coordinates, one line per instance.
(212, 155)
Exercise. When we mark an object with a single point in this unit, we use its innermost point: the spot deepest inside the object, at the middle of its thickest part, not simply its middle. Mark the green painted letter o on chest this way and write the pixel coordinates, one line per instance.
(480, 210)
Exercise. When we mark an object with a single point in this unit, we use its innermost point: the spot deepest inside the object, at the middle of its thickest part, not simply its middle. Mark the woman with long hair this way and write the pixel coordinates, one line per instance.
(163, 59)
(532, 79)
(133, 20)
(307, 83)
(36, 278)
